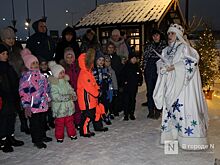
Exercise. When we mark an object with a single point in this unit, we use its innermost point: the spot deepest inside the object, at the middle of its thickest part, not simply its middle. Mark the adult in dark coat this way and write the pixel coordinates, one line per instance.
(150, 69)
(9, 102)
(8, 40)
(40, 44)
(68, 40)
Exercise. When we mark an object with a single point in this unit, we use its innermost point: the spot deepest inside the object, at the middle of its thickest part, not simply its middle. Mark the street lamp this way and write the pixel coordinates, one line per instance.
(72, 13)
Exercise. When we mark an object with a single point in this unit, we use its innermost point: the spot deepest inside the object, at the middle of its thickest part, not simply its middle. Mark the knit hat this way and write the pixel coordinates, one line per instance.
(28, 58)
(178, 29)
(99, 54)
(3, 48)
(55, 68)
(68, 51)
(7, 33)
(116, 32)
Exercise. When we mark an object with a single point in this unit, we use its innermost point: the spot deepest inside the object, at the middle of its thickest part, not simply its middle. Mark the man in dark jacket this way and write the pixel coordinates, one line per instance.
(150, 69)
(40, 44)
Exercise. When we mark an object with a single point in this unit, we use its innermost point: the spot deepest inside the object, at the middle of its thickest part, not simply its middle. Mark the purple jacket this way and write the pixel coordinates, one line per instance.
(33, 90)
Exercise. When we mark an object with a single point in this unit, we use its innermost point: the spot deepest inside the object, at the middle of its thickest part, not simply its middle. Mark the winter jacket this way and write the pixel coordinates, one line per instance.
(113, 77)
(33, 90)
(9, 83)
(104, 80)
(117, 66)
(150, 58)
(62, 95)
(132, 77)
(86, 44)
(72, 71)
(41, 45)
(87, 88)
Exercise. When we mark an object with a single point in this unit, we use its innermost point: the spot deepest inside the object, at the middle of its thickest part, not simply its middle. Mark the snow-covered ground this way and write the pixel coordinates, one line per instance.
(126, 143)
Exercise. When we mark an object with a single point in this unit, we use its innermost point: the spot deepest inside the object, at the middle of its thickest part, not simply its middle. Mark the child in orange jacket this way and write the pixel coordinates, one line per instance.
(87, 93)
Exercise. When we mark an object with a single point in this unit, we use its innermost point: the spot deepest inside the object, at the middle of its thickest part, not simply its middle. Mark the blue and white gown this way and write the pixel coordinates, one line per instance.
(179, 94)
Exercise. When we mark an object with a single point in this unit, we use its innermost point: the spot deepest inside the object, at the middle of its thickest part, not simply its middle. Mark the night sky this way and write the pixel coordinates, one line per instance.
(57, 17)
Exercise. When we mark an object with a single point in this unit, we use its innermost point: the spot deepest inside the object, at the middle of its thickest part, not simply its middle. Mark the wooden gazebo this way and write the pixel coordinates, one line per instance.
(136, 18)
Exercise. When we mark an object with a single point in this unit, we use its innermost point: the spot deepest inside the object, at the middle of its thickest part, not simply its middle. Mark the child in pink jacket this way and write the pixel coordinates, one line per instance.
(33, 90)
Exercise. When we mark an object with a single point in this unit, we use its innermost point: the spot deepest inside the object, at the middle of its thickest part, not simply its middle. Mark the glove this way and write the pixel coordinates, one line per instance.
(27, 112)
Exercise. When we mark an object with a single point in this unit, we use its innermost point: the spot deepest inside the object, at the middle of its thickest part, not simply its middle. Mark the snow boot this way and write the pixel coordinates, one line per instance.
(47, 139)
(73, 137)
(126, 118)
(156, 114)
(40, 145)
(14, 142)
(151, 114)
(132, 117)
(107, 121)
(5, 146)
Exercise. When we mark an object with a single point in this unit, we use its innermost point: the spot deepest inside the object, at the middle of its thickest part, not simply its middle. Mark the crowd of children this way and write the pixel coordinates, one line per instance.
(72, 93)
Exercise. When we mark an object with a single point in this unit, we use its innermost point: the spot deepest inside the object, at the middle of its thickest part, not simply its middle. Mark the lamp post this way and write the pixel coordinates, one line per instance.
(28, 20)
(44, 15)
(13, 14)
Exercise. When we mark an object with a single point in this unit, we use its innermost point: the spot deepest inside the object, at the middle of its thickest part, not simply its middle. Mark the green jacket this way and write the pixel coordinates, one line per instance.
(62, 95)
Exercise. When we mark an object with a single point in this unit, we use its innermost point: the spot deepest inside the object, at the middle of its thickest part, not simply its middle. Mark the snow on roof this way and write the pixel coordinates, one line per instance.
(125, 12)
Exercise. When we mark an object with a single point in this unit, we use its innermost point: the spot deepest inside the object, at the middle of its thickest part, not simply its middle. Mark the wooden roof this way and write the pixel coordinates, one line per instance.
(126, 12)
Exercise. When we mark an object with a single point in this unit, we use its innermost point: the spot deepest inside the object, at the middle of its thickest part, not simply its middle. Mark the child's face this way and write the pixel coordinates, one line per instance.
(133, 60)
(111, 49)
(61, 75)
(44, 66)
(4, 56)
(69, 59)
(100, 62)
(107, 62)
(35, 65)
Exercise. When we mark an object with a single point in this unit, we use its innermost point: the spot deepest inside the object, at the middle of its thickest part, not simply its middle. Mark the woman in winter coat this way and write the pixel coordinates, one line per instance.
(68, 40)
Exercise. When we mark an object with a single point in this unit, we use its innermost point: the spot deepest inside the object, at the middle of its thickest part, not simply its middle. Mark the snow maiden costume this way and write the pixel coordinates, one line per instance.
(179, 93)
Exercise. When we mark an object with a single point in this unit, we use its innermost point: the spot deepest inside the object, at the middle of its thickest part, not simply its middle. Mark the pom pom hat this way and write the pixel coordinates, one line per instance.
(28, 58)
(178, 29)
(55, 68)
